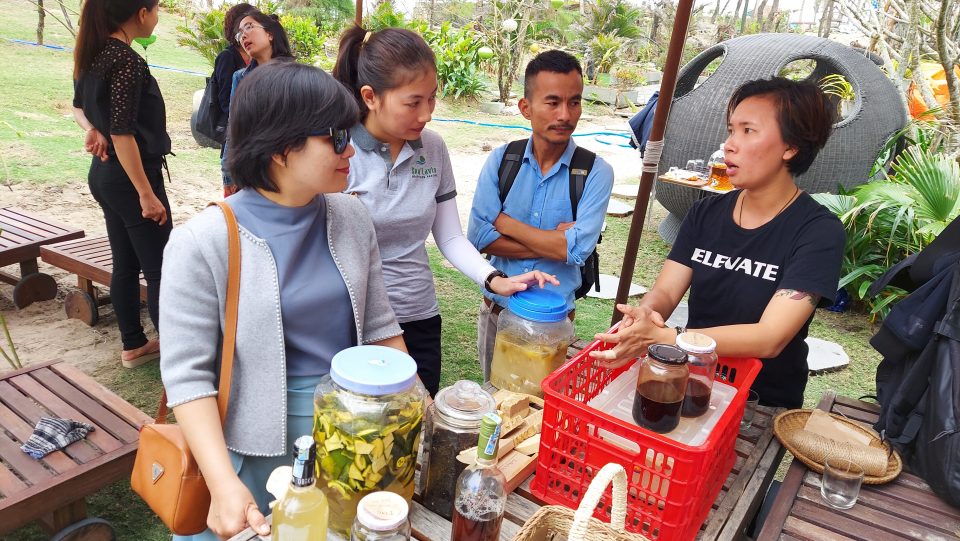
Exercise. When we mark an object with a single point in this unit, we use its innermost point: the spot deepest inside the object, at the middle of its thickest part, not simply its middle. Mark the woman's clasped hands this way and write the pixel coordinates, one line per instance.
(640, 327)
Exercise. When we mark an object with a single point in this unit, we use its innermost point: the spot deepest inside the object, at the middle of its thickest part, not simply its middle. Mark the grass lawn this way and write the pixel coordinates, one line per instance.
(40, 144)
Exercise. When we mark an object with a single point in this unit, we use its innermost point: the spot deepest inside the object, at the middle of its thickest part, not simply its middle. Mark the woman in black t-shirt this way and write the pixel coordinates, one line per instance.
(758, 260)
(119, 104)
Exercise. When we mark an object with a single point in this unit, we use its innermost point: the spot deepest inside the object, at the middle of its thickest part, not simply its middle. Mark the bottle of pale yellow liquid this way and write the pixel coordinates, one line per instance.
(302, 514)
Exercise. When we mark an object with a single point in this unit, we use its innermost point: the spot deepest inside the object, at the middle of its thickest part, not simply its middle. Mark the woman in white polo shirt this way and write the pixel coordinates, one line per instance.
(402, 173)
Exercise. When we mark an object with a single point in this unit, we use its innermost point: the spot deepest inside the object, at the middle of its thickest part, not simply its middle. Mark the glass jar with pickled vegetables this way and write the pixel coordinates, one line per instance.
(532, 339)
(453, 425)
(368, 413)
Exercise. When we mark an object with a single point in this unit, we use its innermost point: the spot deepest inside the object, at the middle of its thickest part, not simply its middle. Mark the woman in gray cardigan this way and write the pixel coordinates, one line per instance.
(311, 284)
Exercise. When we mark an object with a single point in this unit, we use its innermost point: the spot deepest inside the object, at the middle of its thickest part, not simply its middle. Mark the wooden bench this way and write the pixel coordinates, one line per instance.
(21, 235)
(92, 261)
(53, 489)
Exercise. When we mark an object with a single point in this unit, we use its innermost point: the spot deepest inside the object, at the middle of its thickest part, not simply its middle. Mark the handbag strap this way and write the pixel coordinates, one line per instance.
(230, 325)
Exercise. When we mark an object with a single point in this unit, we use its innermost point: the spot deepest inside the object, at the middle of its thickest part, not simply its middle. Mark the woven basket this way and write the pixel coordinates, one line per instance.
(555, 523)
(812, 449)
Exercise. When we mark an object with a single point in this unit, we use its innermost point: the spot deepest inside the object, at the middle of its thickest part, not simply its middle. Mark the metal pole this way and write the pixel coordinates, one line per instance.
(667, 86)
(358, 18)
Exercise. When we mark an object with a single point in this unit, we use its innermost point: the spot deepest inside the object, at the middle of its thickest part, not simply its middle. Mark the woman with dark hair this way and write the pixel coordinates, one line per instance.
(757, 260)
(118, 102)
(231, 59)
(306, 249)
(402, 173)
(264, 40)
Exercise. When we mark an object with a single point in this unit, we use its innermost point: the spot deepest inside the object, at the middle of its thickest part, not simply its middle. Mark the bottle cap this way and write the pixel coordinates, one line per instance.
(489, 436)
(667, 354)
(465, 401)
(382, 511)
(539, 304)
(373, 370)
(694, 342)
(304, 461)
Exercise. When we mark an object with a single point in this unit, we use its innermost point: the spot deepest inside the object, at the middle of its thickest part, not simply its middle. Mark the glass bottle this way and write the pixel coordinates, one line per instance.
(381, 516)
(719, 179)
(481, 489)
(702, 363)
(661, 385)
(302, 514)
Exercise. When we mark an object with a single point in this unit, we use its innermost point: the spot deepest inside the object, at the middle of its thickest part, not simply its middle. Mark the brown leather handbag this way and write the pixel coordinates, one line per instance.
(165, 473)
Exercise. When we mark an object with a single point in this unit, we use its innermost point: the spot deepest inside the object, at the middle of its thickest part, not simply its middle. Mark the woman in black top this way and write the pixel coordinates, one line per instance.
(118, 103)
(758, 260)
(227, 63)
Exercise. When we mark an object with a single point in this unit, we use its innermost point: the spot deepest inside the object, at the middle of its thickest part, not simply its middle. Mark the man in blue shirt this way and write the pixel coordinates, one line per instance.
(533, 229)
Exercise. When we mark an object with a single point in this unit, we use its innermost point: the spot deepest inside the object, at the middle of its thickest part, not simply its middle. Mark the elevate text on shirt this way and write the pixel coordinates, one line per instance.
(747, 266)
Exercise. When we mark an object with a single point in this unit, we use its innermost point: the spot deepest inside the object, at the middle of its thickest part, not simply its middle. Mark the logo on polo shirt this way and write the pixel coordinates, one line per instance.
(422, 172)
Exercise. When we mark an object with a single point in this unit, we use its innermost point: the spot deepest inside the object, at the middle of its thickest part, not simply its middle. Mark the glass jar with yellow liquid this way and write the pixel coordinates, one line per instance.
(532, 339)
(719, 179)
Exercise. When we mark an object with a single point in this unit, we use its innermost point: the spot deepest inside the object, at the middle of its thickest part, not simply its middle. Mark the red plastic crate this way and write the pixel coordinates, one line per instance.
(672, 486)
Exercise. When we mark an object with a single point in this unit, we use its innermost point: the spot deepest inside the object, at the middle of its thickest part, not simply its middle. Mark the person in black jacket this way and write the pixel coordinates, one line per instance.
(118, 102)
(227, 63)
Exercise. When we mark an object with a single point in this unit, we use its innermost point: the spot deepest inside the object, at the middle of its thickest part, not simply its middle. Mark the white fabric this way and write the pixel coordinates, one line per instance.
(448, 233)
(651, 156)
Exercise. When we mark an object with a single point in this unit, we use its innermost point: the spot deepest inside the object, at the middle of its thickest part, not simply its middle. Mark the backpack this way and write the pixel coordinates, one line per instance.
(208, 128)
(580, 165)
(918, 380)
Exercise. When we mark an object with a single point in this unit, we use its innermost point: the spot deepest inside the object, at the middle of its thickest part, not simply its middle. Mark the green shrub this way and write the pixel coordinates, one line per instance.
(458, 59)
(204, 34)
(888, 220)
(304, 36)
(384, 17)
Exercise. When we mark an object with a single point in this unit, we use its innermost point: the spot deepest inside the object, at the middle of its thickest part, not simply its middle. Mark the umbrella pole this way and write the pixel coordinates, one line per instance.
(651, 159)
(358, 18)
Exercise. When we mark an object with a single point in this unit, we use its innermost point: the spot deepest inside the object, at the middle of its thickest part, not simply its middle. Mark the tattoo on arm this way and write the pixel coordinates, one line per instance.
(793, 294)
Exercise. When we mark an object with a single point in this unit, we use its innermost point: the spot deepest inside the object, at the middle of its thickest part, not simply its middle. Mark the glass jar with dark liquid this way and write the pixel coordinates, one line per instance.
(702, 365)
(661, 385)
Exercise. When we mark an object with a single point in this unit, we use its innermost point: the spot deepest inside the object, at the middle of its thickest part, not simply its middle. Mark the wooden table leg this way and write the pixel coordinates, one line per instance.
(65, 516)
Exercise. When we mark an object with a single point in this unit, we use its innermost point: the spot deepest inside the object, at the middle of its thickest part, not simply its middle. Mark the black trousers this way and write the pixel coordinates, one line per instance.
(423, 342)
(136, 242)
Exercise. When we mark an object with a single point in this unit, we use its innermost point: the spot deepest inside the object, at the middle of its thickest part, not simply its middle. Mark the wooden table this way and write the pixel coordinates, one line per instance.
(53, 488)
(758, 455)
(21, 235)
(905, 508)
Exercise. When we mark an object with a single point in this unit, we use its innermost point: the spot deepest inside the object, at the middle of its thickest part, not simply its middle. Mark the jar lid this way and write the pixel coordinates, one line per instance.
(382, 511)
(667, 354)
(373, 370)
(539, 304)
(695, 342)
(465, 401)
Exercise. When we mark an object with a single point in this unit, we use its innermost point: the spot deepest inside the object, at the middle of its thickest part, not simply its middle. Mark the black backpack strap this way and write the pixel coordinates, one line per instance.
(510, 166)
(580, 165)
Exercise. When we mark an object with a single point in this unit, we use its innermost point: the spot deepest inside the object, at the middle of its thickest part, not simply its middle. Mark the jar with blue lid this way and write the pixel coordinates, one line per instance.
(533, 334)
(368, 413)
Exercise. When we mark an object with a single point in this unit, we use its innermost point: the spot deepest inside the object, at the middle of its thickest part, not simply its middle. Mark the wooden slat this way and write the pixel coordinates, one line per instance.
(21, 463)
(41, 394)
(121, 407)
(101, 417)
(20, 216)
(821, 513)
(428, 526)
(805, 531)
(31, 412)
(10, 484)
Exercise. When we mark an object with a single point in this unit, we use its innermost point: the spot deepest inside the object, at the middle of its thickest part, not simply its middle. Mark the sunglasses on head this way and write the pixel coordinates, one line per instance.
(340, 137)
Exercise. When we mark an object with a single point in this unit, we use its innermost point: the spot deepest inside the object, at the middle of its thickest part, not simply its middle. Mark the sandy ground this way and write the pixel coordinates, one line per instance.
(42, 331)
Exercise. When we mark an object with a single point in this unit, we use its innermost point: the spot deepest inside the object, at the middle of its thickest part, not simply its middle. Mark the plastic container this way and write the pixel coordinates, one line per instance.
(533, 334)
(702, 365)
(671, 485)
(368, 413)
(453, 425)
(381, 516)
(661, 385)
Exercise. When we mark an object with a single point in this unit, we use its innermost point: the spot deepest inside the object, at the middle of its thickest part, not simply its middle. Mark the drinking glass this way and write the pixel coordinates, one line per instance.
(841, 482)
(751, 408)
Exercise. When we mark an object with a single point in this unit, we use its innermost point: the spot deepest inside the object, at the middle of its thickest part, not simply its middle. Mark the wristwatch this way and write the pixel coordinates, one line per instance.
(490, 277)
